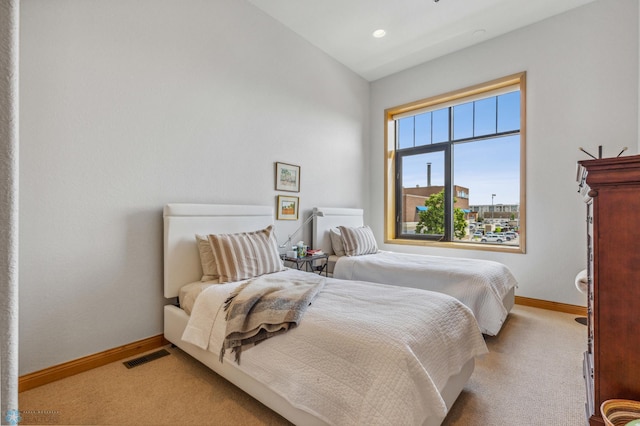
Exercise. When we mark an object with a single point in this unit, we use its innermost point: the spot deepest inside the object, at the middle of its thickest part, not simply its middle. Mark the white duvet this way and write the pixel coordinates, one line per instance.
(479, 284)
(363, 353)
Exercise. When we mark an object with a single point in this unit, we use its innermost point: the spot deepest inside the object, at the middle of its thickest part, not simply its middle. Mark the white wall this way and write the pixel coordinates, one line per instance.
(126, 106)
(582, 88)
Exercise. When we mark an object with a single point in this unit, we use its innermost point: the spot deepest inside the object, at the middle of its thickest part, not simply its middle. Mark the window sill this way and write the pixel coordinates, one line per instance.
(462, 246)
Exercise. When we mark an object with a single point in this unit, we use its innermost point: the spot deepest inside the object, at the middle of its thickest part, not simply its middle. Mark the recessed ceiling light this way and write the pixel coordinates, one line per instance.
(379, 33)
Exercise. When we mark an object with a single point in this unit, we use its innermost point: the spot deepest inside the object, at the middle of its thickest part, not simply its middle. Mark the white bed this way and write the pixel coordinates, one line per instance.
(447, 369)
(486, 287)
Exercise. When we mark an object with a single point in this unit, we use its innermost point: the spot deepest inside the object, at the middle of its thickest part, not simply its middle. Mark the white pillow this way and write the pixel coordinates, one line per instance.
(245, 255)
(209, 269)
(358, 241)
(336, 242)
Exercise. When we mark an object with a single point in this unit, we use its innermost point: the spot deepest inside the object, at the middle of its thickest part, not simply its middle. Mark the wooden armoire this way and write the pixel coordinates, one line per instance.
(611, 190)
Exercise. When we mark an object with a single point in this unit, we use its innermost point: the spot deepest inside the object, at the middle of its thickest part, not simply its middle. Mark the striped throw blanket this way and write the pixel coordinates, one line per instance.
(264, 307)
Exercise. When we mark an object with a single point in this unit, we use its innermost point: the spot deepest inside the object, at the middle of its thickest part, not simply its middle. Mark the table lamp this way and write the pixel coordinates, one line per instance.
(313, 214)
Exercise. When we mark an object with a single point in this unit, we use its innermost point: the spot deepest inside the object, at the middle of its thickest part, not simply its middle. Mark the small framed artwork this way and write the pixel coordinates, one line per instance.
(287, 177)
(287, 208)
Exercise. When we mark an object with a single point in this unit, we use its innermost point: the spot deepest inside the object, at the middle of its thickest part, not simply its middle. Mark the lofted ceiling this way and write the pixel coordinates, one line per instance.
(416, 30)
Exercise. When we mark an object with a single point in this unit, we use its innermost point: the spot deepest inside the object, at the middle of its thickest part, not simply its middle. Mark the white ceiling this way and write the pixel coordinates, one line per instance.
(417, 30)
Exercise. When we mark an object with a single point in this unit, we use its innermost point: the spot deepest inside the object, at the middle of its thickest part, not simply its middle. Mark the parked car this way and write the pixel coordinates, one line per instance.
(493, 239)
(511, 235)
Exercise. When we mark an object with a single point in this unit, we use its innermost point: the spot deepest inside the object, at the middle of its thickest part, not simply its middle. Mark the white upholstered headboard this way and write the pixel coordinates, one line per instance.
(183, 221)
(332, 218)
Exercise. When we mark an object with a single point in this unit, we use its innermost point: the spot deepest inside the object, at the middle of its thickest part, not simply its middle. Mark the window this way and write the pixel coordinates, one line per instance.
(455, 168)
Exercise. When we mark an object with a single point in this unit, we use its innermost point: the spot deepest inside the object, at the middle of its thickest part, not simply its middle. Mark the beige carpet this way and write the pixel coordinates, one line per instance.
(532, 376)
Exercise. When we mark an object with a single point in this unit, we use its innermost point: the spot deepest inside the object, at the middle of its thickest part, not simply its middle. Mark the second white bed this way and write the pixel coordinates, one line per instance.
(486, 287)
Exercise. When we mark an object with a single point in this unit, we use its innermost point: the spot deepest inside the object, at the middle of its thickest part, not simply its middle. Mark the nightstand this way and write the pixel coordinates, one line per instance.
(307, 263)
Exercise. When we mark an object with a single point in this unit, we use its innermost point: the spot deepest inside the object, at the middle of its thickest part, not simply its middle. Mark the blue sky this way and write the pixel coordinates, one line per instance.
(489, 166)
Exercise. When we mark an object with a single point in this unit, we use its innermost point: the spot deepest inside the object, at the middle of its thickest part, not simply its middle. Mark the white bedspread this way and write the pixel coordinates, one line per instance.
(363, 354)
(479, 284)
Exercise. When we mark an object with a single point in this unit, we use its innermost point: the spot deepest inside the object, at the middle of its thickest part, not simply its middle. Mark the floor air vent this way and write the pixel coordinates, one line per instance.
(145, 358)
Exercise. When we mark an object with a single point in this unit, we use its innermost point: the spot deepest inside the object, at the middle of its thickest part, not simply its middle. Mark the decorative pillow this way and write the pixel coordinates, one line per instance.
(358, 241)
(209, 268)
(336, 242)
(245, 255)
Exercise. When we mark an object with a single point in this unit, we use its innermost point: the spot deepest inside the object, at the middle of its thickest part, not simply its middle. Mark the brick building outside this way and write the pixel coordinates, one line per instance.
(413, 200)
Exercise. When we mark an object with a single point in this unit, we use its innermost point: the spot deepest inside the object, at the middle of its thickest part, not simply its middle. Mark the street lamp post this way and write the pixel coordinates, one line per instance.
(492, 195)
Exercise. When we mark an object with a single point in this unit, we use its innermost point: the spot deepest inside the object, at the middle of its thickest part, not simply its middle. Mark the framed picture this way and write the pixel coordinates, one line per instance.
(287, 208)
(287, 177)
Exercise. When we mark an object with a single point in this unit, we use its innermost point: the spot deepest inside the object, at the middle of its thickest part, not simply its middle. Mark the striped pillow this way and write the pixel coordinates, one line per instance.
(245, 255)
(358, 241)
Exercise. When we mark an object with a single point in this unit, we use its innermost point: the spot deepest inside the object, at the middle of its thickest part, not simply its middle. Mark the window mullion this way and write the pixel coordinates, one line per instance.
(398, 186)
(431, 129)
(473, 121)
(414, 131)
(496, 114)
(448, 183)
